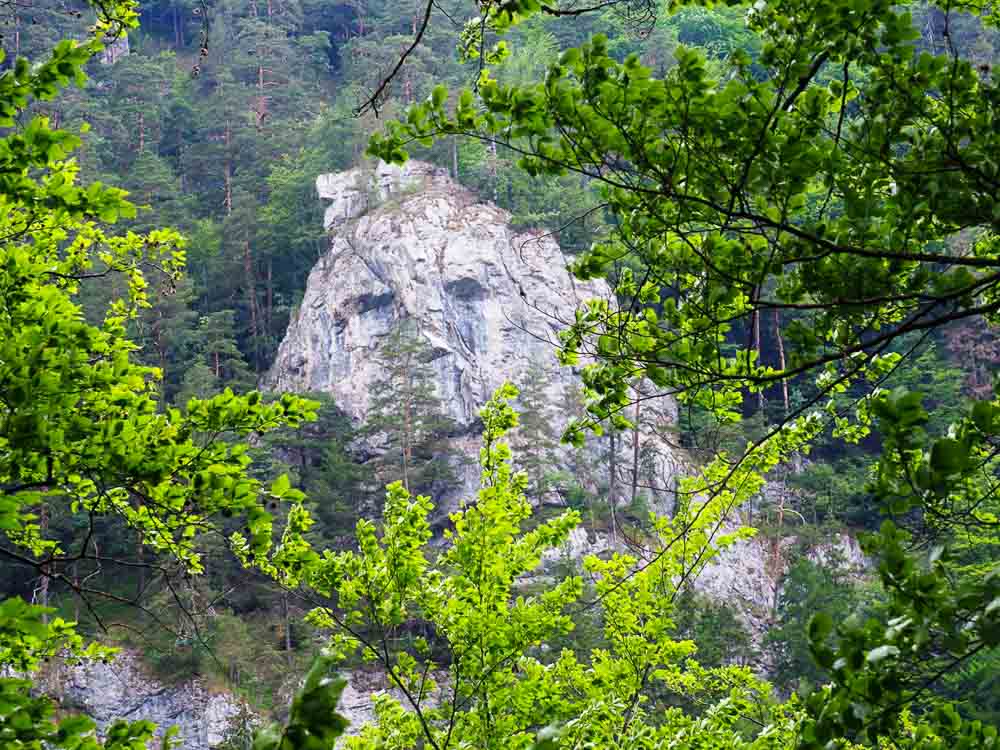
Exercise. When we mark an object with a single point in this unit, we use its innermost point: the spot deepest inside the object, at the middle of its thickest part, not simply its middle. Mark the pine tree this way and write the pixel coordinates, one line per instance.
(216, 337)
(321, 459)
(407, 415)
(216, 361)
(536, 440)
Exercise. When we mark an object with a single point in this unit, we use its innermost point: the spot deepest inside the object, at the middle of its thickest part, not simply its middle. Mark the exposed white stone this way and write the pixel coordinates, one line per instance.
(123, 690)
(749, 575)
(411, 244)
(842, 550)
(357, 701)
(578, 545)
(351, 194)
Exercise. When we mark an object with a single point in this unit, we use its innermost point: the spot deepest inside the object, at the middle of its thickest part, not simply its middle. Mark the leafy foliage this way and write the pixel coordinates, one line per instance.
(807, 589)
(826, 165)
(458, 638)
(764, 177)
(313, 723)
(827, 177)
(81, 424)
(940, 610)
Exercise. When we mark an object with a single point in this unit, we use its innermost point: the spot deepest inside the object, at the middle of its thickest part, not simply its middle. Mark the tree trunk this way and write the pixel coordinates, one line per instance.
(43, 583)
(781, 357)
(178, 39)
(635, 454)
(756, 346)
(613, 486)
(288, 629)
(261, 108)
(269, 306)
(494, 171)
(407, 86)
(777, 558)
(76, 585)
(227, 201)
(407, 427)
(180, 167)
(454, 157)
(161, 344)
(140, 554)
(251, 282)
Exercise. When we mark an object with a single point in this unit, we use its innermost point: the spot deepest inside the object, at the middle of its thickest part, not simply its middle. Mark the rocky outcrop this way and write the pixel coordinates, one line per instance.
(122, 689)
(412, 245)
(749, 576)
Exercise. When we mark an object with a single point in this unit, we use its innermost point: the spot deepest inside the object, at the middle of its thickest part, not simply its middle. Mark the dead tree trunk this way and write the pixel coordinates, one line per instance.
(635, 454)
(756, 346)
(781, 358)
(613, 485)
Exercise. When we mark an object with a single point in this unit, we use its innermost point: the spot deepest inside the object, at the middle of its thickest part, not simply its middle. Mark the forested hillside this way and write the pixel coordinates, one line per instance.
(791, 211)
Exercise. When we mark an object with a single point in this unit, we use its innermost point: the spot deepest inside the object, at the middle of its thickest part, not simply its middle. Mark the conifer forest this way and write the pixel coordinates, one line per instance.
(499, 374)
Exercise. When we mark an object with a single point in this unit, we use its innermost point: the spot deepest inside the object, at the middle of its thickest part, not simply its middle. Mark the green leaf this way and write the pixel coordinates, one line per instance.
(948, 456)
(820, 626)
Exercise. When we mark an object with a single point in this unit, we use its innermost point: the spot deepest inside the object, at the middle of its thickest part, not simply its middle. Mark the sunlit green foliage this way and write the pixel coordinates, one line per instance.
(763, 178)
(463, 646)
(813, 161)
(826, 174)
(940, 611)
(81, 424)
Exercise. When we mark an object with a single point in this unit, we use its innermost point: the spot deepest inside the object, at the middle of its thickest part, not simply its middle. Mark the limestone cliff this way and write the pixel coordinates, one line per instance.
(411, 244)
(123, 689)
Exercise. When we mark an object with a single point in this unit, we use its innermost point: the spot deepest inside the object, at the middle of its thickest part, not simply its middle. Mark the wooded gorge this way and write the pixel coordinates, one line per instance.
(729, 482)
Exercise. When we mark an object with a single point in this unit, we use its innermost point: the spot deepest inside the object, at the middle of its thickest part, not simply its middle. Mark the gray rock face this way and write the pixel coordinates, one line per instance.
(357, 703)
(435, 256)
(411, 244)
(750, 575)
(123, 690)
